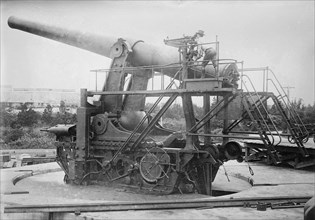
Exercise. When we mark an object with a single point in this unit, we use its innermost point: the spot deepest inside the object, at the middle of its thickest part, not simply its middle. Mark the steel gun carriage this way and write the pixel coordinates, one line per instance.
(116, 141)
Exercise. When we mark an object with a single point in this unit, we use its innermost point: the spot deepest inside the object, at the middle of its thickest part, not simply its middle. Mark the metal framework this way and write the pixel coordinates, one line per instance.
(116, 141)
(140, 152)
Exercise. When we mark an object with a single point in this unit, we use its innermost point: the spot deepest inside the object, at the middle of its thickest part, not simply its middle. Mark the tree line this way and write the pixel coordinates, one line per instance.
(28, 117)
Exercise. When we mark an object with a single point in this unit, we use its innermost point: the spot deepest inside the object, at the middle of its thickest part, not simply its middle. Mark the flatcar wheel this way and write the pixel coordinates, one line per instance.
(154, 165)
(291, 139)
(305, 139)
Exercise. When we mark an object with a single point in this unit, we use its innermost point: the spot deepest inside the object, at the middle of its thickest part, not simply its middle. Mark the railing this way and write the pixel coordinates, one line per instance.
(292, 114)
(258, 105)
(156, 70)
(163, 71)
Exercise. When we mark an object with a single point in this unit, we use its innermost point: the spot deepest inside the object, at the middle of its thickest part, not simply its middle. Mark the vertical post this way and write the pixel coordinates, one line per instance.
(96, 80)
(288, 95)
(190, 121)
(264, 87)
(225, 118)
(162, 80)
(184, 63)
(180, 78)
(208, 176)
(187, 105)
(267, 70)
(218, 56)
(218, 61)
(162, 88)
(152, 78)
(83, 97)
(207, 126)
(82, 142)
(264, 80)
(242, 73)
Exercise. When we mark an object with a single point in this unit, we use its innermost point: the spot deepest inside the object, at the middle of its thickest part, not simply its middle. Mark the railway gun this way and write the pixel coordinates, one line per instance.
(116, 141)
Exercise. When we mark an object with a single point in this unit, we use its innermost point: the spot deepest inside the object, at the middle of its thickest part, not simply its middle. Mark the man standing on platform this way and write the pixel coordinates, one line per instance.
(199, 50)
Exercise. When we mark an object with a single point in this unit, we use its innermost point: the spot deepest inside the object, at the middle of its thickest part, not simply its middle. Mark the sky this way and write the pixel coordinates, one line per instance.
(277, 34)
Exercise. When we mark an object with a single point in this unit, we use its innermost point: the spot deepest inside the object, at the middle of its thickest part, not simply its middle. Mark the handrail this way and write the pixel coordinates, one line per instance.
(236, 122)
(287, 107)
(290, 106)
(255, 104)
(257, 107)
(170, 65)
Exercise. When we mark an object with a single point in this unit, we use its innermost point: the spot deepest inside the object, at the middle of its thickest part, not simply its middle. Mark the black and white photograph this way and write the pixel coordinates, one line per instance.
(157, 109)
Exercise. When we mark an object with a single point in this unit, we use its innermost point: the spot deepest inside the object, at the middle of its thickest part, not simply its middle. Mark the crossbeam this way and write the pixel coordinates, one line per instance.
(215, 91)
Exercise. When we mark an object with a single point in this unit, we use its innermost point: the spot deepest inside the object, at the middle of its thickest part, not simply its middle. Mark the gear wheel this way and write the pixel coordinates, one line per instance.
(100, 123)
(154, 165)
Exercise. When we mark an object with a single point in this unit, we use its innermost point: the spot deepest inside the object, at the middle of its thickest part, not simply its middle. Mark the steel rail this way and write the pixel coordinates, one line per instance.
(155, 205)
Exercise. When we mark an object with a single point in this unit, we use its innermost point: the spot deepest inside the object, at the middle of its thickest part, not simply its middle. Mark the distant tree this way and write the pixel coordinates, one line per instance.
(309, 114)
(66, 118)
(49, 108)
(199, 113)
(13, 134)
(23, 106)
(306, 113)
(62, 107)
(174, 112)
(27, 116)
(47, 117)
(217, 121)
(7, 119)
(70, 118)
(148, 106)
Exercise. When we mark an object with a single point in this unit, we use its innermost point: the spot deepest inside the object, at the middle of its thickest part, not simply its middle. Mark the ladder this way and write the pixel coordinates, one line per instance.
(297, 122)
(243, 116)
(296, 127)
(255, 108)
(294, 130)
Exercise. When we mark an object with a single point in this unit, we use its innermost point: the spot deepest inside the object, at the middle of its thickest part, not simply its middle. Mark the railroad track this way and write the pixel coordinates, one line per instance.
(78, 208)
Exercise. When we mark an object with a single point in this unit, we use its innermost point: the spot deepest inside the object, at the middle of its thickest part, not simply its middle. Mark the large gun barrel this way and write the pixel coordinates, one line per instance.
(143, 54)
(91, 42)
